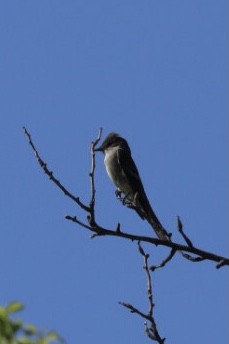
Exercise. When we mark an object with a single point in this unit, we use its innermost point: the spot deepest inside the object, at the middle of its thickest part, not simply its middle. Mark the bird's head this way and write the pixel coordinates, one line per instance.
(113, 140)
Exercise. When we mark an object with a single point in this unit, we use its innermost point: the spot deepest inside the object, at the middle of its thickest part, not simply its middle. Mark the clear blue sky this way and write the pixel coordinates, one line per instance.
(156, 72)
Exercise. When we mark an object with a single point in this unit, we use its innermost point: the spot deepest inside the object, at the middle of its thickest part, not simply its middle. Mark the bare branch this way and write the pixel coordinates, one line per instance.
(50, 174)
(189, 243)
(181, 231)
(149, 284)
(100, 231)
(223, 262)
(151, 330)
(91, 217)
(74, 219)
(165, 261)
(191, 258)
(97, 230)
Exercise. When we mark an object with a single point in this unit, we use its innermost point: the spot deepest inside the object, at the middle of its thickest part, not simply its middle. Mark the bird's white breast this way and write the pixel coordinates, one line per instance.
(115, 170)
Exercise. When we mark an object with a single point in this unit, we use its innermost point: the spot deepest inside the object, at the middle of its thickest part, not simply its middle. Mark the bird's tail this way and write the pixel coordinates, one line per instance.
(157, 226)
(147, 213)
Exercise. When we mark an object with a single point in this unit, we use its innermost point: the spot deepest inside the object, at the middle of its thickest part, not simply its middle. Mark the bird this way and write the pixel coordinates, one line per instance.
(123, 172)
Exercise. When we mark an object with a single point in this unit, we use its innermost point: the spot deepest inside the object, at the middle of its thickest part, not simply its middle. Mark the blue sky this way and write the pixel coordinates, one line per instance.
(156, 72)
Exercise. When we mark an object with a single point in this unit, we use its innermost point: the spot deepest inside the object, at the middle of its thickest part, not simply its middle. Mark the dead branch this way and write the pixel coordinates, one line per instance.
(187, 250)
(164, 261)
(51, 176)
(101, 231)
(150, 323)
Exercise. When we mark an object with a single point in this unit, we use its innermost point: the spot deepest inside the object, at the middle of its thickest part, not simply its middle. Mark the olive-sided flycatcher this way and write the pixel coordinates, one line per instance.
(124, 174)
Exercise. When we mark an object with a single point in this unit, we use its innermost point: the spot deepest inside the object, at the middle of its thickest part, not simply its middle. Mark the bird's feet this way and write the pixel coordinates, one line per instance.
(123, 198)
(118, 194)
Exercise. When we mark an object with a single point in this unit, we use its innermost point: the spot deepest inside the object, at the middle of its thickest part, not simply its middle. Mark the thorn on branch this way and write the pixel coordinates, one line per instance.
(118, 228)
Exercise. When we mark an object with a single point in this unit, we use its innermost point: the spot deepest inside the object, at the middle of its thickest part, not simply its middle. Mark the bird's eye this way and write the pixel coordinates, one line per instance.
(110, 143)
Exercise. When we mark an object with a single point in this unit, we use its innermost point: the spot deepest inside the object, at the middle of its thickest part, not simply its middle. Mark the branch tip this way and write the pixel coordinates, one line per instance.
(181, 231)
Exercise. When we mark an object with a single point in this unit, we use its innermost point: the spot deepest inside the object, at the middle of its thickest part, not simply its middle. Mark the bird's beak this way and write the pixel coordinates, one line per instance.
(99, 149)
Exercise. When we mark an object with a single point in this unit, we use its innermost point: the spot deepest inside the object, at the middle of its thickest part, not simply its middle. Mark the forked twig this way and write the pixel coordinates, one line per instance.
(150, 323)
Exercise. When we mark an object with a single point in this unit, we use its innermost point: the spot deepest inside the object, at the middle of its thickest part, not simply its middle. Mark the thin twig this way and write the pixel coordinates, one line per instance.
(148, 330)
(149, 284)
(74, 219)
(181, 231)
(151, 330)
(221, 263)
(91, 217)
(51, 175)
(189, 243)
(191, 258)
(101, 231)
(164, 261)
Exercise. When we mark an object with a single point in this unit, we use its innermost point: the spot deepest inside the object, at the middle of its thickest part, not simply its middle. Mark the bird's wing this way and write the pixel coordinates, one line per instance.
(140, 200)
(141, 203)
(130, 170)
